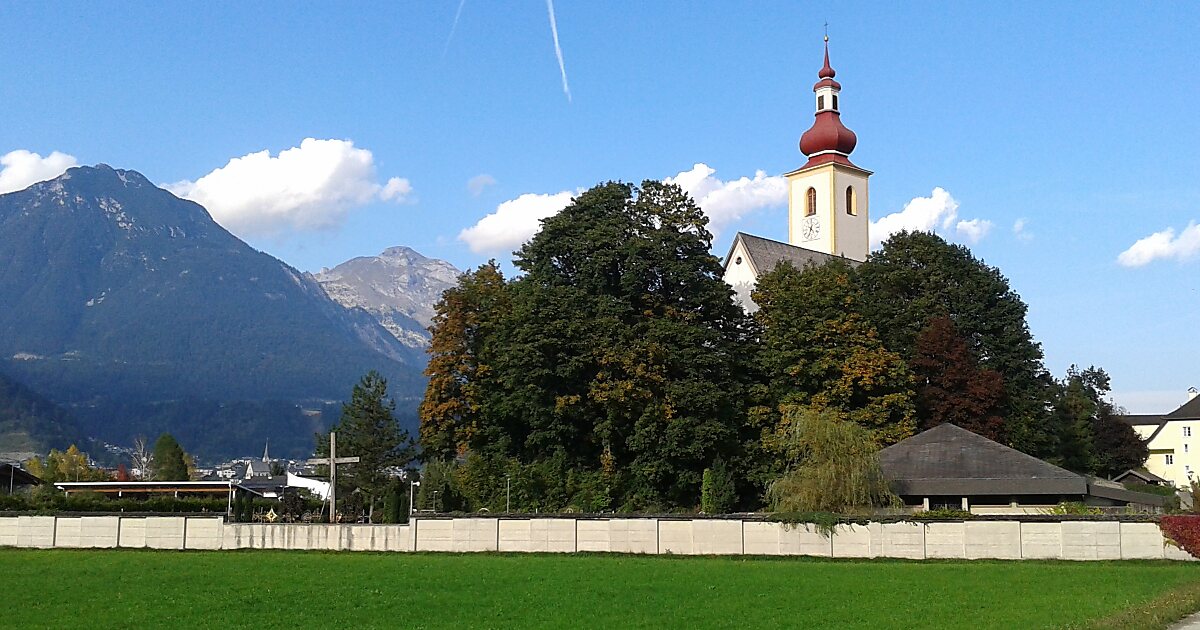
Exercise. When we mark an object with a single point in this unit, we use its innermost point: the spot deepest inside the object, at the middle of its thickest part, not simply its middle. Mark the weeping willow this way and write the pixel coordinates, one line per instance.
(835, 467)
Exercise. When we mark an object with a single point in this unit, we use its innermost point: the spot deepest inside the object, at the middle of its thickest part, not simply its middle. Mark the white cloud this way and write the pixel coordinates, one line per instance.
(517, 220)
(1021, 231)
(1164, 245)
(19, 169)
(936, 213)
(514, 222)
(727, 201)
(973, 230)
(313, 186)
(479, 182)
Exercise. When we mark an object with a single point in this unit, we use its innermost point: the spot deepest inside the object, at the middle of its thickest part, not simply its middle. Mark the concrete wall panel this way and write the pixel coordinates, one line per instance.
(66, 532)
(1141, 541)
(762, 539)
(99, 532)
(35, 531)
(8, 531)
(715, 537)
(903, 540)
(1091, 540)
(204, 532)
(676, 537)
(133, 533)
(165, 532)
(634, 535)
(945, 540)
(997, 539)
(855, 541)
(1041, 541)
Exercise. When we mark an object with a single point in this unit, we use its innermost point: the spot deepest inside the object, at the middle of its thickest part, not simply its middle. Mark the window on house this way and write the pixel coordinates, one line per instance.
(851, 201)
(1187, 431)
(810, 206)
(1170, 459)
(821, 102)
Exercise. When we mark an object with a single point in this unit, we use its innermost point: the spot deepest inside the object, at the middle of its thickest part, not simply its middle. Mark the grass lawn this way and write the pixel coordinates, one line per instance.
(139, 589)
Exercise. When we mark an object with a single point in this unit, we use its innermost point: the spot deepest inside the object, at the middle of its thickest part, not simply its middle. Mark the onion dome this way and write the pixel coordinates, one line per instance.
(828, 140)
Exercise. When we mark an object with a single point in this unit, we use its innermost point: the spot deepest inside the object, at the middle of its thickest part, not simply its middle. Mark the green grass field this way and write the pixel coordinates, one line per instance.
(140, 589)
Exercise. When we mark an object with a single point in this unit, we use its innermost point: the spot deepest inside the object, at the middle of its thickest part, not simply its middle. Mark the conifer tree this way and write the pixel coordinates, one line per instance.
(169, 461)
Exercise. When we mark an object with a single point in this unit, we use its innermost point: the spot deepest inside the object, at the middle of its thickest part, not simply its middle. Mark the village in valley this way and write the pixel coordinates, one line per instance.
(744, 371)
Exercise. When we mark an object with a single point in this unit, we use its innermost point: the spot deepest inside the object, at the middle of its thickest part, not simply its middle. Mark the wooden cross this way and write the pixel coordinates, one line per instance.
(332, 461)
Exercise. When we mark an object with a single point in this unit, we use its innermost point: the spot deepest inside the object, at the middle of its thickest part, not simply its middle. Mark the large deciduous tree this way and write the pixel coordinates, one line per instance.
(1090, 437)
(463, 330)
(918, 276)
(819, 351)
(621, 357)
(952, 387)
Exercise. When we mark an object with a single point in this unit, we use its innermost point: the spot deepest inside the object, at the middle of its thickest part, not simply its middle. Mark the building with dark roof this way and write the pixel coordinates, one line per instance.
(951, 467)
(14, 479)
(1170, 438)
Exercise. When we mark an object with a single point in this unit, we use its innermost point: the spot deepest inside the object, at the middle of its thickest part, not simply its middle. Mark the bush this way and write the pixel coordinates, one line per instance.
(1184, 531)
(943, 514)
(1075, 508)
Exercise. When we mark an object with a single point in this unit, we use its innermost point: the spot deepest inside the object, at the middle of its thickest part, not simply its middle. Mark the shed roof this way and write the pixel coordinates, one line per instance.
(18, 476)
(949, 460)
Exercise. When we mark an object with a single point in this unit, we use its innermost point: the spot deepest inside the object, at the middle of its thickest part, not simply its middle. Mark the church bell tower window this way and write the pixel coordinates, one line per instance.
(821, 102)
(810, 203)
(851, 202)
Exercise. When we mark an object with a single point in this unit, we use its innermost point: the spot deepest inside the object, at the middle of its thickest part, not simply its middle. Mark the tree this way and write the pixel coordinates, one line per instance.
(169, 461)
(368, 430)
(618, 358)
(917, 276)
(818, 351)
(69, 465)
(1090, 438)
(717, 493)
(142, 456)
(952, 387)
(463, 329)
(834, 467)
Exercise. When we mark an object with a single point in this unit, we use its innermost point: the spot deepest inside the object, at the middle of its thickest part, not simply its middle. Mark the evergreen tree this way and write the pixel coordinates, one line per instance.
(169, 462)
(368, 430)
(717, 493)
(952, 387)
(1090, 438)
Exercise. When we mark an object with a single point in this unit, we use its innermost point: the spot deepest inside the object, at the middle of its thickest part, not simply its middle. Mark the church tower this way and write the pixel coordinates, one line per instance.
(827, 197)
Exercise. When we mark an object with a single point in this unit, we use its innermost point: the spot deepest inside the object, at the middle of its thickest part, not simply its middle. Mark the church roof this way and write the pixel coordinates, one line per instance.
(765, 254)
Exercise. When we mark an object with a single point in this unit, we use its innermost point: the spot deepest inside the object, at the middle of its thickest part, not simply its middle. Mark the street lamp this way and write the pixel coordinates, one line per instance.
(411, 493)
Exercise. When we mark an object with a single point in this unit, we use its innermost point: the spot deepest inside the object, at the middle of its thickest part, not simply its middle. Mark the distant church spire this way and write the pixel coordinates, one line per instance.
(266, 449)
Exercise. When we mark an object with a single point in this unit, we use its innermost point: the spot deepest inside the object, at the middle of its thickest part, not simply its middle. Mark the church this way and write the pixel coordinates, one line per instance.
(827, 201)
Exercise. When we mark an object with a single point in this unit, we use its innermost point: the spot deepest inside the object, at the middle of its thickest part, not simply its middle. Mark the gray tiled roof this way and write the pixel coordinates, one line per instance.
(1187, 411)
(948, 460)
(765, 253)
(1141, 419)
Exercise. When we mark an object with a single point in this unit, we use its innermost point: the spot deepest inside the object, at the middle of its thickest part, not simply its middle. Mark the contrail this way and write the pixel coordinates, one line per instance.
(558, 49)
(453, 27)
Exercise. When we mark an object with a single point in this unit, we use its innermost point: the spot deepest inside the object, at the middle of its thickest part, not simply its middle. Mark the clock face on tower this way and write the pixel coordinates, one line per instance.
(810, 229)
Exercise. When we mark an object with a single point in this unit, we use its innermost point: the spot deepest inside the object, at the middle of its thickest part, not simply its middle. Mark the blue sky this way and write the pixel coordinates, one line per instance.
(1076, 120)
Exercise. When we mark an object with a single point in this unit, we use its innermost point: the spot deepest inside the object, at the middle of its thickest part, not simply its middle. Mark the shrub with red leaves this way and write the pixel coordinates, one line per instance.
(1184, 531)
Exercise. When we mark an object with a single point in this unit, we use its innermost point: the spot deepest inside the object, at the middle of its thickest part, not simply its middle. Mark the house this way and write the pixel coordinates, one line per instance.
(951, 467)
(14, 479)
(1170, 438)
(1141, 475)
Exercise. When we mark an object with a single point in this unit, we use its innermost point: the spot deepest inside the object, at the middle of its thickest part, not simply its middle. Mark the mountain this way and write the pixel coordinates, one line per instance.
(32, 425)
(400, 287)
(139, 312)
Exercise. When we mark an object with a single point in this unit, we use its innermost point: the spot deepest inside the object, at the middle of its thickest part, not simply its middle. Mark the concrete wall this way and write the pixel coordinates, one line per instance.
(972, 539)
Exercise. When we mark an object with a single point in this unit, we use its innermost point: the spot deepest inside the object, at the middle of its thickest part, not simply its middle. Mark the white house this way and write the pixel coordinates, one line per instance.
(1173, 440)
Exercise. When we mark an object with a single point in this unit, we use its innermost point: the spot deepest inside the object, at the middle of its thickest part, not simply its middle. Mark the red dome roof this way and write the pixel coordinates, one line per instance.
(828, 134)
